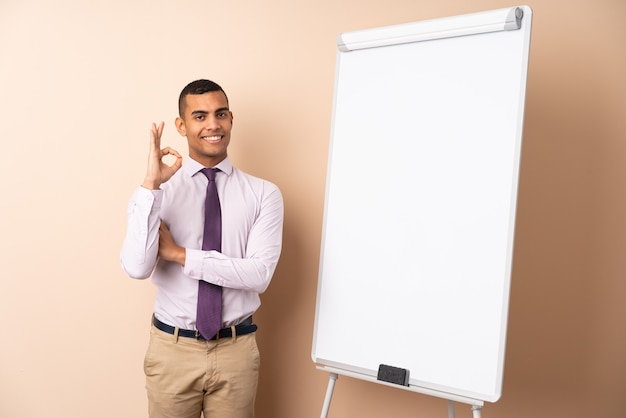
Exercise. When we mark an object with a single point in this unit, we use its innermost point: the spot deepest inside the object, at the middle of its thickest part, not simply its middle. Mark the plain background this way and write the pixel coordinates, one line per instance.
(80, 84)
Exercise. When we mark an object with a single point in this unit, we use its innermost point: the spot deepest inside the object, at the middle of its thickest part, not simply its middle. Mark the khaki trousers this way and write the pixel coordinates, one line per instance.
(186, 377)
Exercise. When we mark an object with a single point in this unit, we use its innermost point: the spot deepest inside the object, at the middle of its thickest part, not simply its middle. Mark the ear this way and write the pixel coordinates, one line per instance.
(180, 126)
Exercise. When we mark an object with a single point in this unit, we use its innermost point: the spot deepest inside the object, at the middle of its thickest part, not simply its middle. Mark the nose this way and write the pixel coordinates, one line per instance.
(212, 122)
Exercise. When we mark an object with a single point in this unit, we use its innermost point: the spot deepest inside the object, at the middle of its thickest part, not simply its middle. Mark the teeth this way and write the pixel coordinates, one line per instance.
(212, 138)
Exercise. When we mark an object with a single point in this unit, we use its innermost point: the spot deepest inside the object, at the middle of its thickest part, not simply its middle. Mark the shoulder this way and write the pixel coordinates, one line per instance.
(242, 176)
(258, 187)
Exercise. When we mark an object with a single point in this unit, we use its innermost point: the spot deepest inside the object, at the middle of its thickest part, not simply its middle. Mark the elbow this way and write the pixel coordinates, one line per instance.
(136, 271)
(136, 274)
(262, 287)
(267, 275)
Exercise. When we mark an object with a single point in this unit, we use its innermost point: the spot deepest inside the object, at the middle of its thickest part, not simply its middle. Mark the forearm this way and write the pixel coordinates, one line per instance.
(141, 244)
(254, 268)
(172, 252)
(236, 273)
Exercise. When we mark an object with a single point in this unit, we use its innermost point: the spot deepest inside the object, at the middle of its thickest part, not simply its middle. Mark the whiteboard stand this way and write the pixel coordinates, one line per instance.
(329, 394)
(451, 409)
(332, 379)
(476, 411)
(334, 373)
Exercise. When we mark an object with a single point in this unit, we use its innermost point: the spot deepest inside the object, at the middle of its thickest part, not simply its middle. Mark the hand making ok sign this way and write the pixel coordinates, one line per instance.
(158, 171)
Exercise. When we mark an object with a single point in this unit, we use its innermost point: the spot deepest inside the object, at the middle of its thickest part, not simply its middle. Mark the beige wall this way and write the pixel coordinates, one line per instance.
(80, 83)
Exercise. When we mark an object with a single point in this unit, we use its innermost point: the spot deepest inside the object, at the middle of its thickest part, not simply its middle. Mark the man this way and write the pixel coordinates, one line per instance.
(188, 373)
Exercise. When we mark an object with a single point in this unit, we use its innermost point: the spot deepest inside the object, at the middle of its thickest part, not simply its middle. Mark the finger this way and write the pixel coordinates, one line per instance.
(178, 163)
(155, 134)
(155, 137)
(163, 228)
(170, 151)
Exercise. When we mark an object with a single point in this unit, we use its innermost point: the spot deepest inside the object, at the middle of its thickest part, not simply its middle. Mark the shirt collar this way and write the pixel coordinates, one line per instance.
(192, 167)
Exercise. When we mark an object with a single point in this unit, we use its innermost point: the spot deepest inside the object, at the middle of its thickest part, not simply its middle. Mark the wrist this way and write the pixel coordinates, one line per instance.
(151, 184)
(181, 256)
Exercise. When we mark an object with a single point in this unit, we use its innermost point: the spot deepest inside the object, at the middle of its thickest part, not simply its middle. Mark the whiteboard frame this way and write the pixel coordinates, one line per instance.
(491, 21)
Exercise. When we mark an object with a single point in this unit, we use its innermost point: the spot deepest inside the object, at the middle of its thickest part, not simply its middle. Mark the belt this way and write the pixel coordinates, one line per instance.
(246, 327)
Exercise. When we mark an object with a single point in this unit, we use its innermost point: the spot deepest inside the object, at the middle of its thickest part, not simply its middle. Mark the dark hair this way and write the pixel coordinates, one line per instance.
(197, 87)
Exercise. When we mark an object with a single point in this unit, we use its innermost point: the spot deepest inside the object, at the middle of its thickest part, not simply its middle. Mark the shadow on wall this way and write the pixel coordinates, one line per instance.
(555, 350)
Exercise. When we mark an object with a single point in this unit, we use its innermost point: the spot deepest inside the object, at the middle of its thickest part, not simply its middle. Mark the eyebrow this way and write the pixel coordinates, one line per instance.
(204, 112)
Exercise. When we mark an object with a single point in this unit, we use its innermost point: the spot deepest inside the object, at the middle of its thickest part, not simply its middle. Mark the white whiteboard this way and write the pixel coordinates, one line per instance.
(420, 202)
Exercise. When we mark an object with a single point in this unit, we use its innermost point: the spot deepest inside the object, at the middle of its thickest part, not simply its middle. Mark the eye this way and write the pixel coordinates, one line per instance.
(200, 117)
(222, 115)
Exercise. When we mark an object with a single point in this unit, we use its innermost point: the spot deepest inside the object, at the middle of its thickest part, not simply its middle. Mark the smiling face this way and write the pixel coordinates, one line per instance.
(206, 122)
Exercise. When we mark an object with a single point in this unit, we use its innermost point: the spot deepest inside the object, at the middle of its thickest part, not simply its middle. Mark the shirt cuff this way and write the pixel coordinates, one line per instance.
(148, 198)
(196, 265)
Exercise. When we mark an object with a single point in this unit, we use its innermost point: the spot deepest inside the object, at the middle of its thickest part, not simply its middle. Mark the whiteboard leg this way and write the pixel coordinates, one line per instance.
(476, 411)
(451, 409)
(329, 394)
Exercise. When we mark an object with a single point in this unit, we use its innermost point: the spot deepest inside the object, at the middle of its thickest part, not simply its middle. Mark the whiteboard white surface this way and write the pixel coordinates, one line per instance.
(420, 210)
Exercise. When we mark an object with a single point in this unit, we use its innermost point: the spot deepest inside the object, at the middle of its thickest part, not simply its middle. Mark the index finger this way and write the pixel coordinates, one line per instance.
(155, 134)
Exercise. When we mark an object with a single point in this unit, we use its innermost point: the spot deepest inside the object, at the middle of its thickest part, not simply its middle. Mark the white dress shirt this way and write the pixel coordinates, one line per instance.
(252, 225)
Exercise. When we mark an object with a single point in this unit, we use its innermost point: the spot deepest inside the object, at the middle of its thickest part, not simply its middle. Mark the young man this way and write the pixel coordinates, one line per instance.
(188, 373)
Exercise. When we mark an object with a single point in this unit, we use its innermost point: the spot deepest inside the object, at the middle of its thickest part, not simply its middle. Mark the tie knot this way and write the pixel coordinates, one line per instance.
(210, 173)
